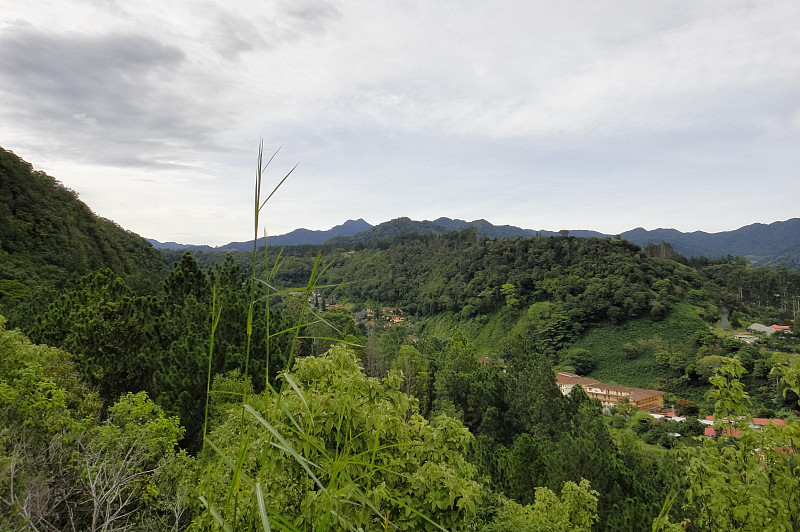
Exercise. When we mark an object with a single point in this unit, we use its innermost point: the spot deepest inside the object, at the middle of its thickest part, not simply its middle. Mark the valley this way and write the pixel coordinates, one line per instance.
(405, 379)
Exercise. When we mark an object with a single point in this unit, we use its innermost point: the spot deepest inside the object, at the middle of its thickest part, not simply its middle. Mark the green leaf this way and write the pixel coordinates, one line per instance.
(286, 446)
(215, 514)
(262, 510)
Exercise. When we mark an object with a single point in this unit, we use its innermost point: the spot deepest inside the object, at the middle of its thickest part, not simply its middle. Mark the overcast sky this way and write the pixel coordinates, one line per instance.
(603, 115)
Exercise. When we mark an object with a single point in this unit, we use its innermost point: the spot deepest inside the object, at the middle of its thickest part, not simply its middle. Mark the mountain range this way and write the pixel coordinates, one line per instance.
(298, 237)
(761, 244)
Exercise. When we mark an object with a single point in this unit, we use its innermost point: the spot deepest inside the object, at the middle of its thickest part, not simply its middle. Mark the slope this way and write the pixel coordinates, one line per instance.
(48, 235)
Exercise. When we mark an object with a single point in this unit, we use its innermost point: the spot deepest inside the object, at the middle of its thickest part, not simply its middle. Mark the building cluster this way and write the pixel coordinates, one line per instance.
(383, 316)
(766, 330)
(757, 423)
(611, 395)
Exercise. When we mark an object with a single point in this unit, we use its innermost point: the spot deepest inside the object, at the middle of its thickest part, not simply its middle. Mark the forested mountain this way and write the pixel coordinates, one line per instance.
(47, 235)
(298, 237)
(761, 244)
(440, 226)
(789, 258)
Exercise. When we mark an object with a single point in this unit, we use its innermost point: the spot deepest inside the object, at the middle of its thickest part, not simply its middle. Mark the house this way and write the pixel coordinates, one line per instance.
(710, 432)
(761, 422)
(758, 423)
(763, 329)
(780, 328)
(746, 337)
(610, 394)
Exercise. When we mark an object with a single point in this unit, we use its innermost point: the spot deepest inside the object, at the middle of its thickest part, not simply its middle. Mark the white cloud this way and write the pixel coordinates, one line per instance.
(579, 111)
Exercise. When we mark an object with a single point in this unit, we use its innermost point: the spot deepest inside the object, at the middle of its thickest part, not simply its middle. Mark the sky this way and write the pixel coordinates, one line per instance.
(562, 114)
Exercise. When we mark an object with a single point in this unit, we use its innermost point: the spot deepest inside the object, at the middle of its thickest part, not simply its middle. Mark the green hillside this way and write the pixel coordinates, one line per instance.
(47, 235)
(676, 333)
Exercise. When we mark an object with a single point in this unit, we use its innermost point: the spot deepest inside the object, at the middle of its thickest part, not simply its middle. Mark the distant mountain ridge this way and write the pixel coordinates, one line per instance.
(762, 244)
(298, 237)
(759, 243)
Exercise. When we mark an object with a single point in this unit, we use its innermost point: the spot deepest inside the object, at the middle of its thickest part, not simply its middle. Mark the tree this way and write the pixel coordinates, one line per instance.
(625, 408)
(63, 469)
(121, 458)
(103, 324)
(456, 369)
(687, 408)
(576, 510)
(415, 371)
(371, 359)
(580, 359)
(43, 407)
(535, 404)
(707, 365)
(510, 293)
(746, 479)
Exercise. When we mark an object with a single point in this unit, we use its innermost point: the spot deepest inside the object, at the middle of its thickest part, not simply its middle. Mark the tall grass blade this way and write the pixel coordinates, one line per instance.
(238, 474)
(228, 462)
(266, 298)
(296, 389)
(279, 522)
(278, 185)
(215, 514)
(661, 523)
(285, 410)
(215, 315)
(417, 513)
(261, 508)
(286, 446)
(274, 271)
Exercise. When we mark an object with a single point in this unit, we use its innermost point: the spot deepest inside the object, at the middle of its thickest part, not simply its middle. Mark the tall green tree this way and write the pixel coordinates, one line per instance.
(416, 378)
(103, 323)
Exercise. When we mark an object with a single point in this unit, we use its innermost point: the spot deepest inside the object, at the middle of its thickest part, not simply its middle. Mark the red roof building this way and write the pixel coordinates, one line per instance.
(784, 328)
(610, 394)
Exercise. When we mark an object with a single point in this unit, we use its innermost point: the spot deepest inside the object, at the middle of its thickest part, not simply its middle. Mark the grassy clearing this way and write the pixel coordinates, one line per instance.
(605, 343)
(486, 332)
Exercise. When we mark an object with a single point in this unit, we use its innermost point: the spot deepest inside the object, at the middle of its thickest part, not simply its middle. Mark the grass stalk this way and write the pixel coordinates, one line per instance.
(215, 315)
(338, 481)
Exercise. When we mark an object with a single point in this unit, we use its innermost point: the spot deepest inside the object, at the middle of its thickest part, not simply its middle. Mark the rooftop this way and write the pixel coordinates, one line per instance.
(635, 394)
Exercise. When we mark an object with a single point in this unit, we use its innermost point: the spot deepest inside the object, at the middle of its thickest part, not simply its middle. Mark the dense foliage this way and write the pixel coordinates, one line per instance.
(335, 449)
(123, 342)
(61, 467)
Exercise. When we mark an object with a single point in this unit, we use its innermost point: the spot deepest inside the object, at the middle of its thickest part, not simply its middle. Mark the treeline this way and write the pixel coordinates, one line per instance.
(594, 279)
(591, 279)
